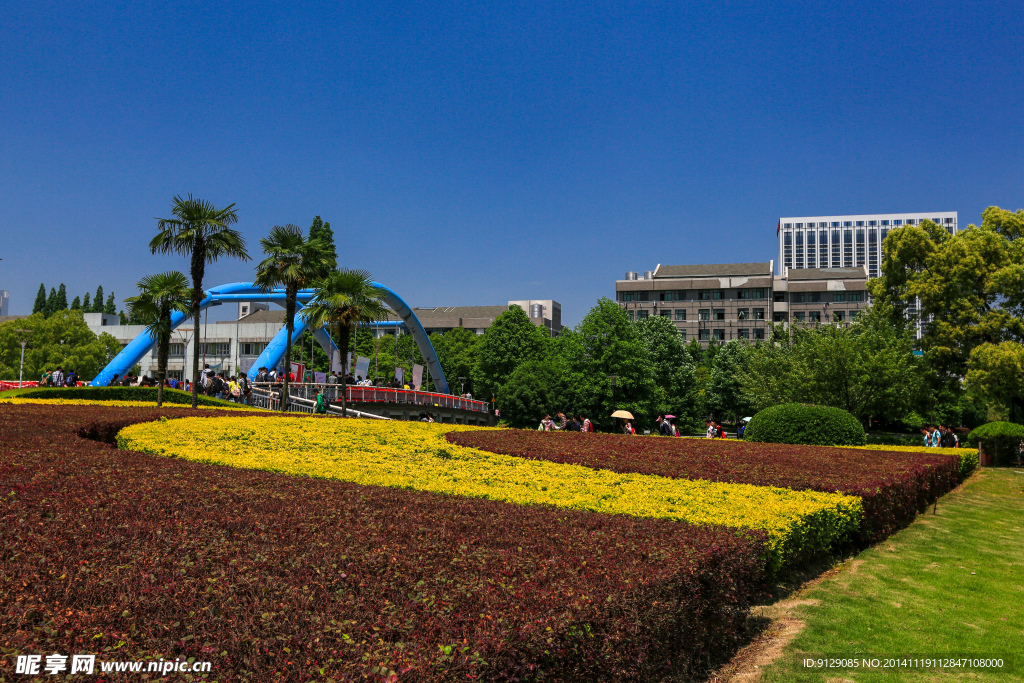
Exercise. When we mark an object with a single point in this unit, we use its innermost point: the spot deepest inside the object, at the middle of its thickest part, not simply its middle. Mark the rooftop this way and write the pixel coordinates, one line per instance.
(860, 272)
(714, 270)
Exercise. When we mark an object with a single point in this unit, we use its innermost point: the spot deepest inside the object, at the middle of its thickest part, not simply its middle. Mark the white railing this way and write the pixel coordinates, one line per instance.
(357, 394)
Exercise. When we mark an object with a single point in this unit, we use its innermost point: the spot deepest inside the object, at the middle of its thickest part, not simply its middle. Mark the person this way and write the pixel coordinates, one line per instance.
(562, 421)
(720, 431)
(113, 381)
(572, 425)
(127, 381)
(234, 390)
(44, 379)
(585, 424)
(321, 402)
(245, 387)
(72, 379)
(742, 428)
(710, 429)
(664, 427)
(57, 378)
(628, 428)
(547, 425)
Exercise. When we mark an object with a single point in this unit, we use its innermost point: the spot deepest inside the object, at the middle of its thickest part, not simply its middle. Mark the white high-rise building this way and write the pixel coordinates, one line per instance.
(4, 299)
(845, 241)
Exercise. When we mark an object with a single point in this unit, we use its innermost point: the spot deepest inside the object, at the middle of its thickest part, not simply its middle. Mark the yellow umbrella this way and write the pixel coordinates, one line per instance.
(623, 413)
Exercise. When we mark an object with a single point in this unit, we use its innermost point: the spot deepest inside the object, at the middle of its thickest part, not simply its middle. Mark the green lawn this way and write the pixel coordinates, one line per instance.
(950, 584)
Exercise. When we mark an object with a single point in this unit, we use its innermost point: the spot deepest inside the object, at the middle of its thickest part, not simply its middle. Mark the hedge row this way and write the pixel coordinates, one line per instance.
(275, 577)
(147, 394)
(801, 423)
(894, 487)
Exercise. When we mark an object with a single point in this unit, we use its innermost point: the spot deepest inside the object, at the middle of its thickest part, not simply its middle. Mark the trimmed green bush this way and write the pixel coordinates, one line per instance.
(800, 423)
(1001, 440)
(145, 394)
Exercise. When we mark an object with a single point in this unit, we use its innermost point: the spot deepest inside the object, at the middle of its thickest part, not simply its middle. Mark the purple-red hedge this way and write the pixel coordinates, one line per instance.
(280, 578)
(893, 486)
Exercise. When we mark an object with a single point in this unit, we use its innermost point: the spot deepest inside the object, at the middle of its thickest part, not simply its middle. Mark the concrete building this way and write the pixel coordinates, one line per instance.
(727, 301)
(845, 241)
(5, 300)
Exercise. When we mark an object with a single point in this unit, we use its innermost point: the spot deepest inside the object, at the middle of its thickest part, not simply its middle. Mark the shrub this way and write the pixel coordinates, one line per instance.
(144, 394)
(1001, 440)
(800, 423)
(277, 577)
(893, 486)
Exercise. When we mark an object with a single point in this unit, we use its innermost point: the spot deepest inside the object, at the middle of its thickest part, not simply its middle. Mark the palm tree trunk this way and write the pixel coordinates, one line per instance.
(161, 364)
(198, 266)
(289, 306)
(343, 332)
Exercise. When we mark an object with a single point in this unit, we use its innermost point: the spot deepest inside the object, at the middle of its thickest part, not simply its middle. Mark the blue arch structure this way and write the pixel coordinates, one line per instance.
(246, 291)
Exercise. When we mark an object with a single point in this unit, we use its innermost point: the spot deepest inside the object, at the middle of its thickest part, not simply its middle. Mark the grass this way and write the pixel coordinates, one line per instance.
(951, 584)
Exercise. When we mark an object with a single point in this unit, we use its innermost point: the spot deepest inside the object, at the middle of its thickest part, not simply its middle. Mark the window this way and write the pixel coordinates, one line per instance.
(872, 223)
(718, 334)
(176, 350)
(718, 313)
(778, 317)
(798, 297)
(681, 314)
(683, 333)
(835, 224)
(949, 221)
(779, 297)
(671, 295)
(838, 296)
(704, 335)
(847, 224)
(743, 314)
(839, 316)
(704, 314)
(704, 295)
(743, 334)
(643, 315)
(897, 222)
(800, 225)
(859, 223)
(759, 333)
(885, 222)
(814, 316)
(814, 297)
(717, 294)
(854, 314)
(665, 314)
(629, 296)
(630, 315)
(758, 314)
(251, 348)
(751, 293)
(855, 296)
(800, 316)
(218, 349)
(788, 225)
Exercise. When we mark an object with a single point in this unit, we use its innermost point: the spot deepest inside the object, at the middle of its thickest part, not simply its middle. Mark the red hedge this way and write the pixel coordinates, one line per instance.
(894, 486)
(273, 577)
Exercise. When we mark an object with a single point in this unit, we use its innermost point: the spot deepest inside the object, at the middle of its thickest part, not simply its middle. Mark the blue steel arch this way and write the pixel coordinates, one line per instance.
(137, 348)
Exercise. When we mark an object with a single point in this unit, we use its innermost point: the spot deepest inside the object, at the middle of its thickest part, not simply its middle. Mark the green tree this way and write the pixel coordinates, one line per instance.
(51, 303)
(76, 305)
(970, 285)
(111, 307)
(159, 296)
(674, 369)
(97, 301)
(606, 343)
(996, 373)
(725, 395)
(510, 341)
(61, 304)
(456, 350)
(62, 339)
(342, 300)
(40, 304)
(534, 389)
(200, 231)
(294, 263)
(322, 231)
(86, 304)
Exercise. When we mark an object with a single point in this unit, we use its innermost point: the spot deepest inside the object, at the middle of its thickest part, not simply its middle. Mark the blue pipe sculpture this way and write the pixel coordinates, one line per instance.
(131, 354)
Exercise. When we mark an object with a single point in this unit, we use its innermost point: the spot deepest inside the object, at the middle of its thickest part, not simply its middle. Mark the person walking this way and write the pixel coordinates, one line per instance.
(321, 402)
(57, 378)
(629, 429)
(585, 424)
(664, 427)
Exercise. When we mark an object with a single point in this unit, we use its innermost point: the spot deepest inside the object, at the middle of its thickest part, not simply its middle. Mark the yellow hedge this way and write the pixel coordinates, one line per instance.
(416, 455)
(127, 404)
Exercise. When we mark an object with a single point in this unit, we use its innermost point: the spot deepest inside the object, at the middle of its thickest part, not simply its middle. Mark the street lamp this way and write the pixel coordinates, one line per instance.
(462, 383)
(23, 336)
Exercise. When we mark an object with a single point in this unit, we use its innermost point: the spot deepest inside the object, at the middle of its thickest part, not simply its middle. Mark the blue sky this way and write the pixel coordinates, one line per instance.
(471, 153)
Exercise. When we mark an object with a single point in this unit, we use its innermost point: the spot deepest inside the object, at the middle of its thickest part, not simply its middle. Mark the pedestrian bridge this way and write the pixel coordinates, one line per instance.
(379, 402)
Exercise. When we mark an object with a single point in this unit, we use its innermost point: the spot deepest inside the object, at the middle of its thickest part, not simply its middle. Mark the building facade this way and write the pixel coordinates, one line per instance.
(5, 299)
(727, 301)
(845, 241)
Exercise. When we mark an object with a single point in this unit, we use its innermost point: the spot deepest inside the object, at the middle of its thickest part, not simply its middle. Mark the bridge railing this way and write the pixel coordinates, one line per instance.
(357, 394)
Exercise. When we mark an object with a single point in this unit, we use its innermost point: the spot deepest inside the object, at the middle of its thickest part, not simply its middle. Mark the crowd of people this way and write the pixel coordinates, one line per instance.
(577, 423)
(940, 437)
(59, 378)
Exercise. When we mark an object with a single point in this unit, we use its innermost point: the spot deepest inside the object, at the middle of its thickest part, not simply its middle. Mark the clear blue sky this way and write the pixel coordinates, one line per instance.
(471, 153)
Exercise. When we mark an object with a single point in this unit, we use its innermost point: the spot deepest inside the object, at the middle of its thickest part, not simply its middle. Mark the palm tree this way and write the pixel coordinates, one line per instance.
(200, 231)
(344, 299)
(292, 262)
(160, 295)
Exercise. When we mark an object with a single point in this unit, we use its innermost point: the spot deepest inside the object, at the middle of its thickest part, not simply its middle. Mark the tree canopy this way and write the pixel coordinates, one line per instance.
(510, 341)
(62, 339)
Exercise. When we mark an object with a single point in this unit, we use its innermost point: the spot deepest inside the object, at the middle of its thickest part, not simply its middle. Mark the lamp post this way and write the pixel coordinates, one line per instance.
(462, 383)
(23, 336)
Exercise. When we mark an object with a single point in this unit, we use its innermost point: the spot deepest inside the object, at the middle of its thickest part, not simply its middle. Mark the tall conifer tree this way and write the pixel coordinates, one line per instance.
(97, 301)
(62, 299)
(40, 305)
